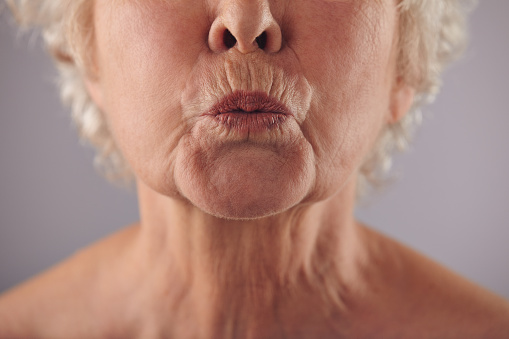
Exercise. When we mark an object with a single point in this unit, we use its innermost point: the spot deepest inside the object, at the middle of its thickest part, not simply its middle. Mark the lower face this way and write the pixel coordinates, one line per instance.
(325, 95)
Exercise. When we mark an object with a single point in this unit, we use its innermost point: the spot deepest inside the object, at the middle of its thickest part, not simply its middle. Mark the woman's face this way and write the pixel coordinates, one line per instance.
(247, 108)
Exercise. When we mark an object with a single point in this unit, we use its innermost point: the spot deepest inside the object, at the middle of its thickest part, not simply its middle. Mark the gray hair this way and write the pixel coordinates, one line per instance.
(432, 33)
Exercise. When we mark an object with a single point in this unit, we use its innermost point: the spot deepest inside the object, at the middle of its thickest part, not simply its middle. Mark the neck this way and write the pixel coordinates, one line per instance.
(241, 273)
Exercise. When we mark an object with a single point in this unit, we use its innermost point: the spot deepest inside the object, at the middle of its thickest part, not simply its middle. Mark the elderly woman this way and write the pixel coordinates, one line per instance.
(249, 127)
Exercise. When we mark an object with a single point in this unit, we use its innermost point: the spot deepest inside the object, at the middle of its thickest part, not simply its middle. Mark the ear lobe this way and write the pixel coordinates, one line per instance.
(402, 99)
(95, 91)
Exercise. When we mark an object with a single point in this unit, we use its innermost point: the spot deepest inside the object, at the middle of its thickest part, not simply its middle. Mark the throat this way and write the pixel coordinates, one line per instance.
(259, 291)
(235, 278)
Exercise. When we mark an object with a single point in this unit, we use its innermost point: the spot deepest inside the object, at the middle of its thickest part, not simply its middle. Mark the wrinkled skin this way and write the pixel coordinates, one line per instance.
(247, 226)
(163, 64)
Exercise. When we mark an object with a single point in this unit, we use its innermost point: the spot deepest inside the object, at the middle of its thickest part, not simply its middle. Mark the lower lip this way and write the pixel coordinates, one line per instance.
(251, 122)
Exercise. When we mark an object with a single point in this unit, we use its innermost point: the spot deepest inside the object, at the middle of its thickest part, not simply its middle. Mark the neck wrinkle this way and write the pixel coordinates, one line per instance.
(253, 269)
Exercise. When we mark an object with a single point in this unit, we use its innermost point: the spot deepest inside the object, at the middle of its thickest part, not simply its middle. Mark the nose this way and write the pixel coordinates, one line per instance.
(247, 25)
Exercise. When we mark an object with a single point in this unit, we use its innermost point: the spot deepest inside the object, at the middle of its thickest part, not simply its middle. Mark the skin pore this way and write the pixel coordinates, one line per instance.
(245, 232)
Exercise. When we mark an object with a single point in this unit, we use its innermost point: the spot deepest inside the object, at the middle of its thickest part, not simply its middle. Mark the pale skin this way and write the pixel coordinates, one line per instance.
(248, 234)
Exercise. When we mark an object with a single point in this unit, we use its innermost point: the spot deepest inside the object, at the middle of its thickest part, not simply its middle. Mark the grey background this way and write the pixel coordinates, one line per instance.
(449, 201)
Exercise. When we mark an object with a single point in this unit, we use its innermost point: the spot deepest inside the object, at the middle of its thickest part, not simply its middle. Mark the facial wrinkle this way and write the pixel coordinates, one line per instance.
(252, 73)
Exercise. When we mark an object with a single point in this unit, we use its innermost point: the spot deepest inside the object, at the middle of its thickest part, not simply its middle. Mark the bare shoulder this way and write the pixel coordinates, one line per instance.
(50, 302)
(432, 299)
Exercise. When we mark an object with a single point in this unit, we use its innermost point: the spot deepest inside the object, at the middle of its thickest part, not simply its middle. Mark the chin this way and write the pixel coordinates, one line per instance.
(258, 201)
(237, 206)
(247, 183)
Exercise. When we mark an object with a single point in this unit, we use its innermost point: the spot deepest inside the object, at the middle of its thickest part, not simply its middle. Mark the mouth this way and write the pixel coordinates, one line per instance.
(249, 111)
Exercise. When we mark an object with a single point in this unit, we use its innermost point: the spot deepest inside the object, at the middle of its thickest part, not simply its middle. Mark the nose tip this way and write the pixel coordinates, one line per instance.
(247, 27)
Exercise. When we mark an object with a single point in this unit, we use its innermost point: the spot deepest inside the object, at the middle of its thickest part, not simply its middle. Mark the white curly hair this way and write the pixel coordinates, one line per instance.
(431, 34)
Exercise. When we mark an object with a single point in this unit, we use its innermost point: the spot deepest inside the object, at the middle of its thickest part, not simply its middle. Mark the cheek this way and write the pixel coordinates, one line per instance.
(349, 68)
(145, 58)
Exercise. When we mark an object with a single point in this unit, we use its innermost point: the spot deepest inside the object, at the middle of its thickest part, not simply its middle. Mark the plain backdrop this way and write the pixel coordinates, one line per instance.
(450, 199)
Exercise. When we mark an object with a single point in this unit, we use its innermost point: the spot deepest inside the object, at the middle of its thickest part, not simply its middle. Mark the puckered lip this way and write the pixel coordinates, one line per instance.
(246, 102)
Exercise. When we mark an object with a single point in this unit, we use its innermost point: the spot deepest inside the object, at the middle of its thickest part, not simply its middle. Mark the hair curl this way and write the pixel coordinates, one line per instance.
(432, 33)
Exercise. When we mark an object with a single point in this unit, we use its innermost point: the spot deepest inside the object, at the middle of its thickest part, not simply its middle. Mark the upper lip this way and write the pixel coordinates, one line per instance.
(248, 102)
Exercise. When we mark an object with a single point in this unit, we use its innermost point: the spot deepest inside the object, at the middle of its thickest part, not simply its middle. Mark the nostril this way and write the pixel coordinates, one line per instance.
(228, 39)
(261, 40)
